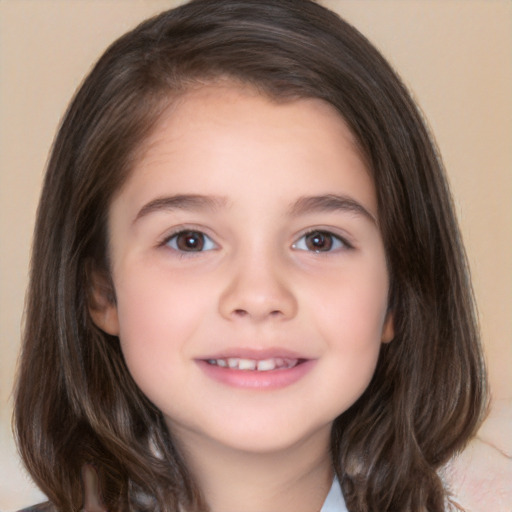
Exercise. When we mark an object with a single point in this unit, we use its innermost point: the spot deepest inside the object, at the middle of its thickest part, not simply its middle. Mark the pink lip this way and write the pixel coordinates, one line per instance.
(252, 379)
(249, 353)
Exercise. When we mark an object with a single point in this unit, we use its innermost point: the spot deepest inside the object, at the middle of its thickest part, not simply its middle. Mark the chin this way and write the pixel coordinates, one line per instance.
(270, 437)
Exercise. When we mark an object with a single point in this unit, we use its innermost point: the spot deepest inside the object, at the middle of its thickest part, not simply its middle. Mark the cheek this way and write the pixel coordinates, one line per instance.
(351, 315)
(158, 315)
(351, 327)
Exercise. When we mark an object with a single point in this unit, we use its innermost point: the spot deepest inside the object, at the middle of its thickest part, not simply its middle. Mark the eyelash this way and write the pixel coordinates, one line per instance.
(334, 242)
(172, 241)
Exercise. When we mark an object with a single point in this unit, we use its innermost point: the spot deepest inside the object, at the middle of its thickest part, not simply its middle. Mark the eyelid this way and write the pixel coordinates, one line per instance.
(343, 241)
(164, 241)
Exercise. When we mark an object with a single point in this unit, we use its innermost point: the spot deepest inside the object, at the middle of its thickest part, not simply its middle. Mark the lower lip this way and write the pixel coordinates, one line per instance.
(268, 380)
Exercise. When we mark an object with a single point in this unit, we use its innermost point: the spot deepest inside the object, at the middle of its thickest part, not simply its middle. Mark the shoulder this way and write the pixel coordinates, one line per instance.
(42, 507)
(479, 478)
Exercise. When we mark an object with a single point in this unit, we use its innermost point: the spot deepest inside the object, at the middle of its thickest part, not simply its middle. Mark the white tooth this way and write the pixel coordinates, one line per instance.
(212, 361)
(233, 362)
(247, 364)
(266, 365)
(222, 362)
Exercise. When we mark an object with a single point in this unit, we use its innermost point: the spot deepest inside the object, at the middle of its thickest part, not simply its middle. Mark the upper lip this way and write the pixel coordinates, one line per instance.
(256, 354)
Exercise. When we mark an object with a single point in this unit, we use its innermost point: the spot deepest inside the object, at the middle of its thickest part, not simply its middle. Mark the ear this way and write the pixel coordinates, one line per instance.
(388, 329)
(102, 303)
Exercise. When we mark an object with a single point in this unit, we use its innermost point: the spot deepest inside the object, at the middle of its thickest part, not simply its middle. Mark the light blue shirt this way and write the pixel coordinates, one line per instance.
(334, 501)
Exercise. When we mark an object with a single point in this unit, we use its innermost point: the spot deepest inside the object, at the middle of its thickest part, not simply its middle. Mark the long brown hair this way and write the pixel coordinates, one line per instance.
(76, 402)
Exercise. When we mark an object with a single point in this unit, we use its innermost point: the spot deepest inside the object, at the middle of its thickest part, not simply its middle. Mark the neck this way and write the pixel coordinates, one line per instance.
(296, 478)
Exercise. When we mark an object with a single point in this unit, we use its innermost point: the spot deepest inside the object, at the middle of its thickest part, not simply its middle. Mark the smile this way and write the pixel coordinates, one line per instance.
(262, 365)
(255, 370)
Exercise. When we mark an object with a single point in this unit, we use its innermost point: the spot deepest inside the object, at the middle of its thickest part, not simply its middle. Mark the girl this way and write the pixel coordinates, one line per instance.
(248, 289)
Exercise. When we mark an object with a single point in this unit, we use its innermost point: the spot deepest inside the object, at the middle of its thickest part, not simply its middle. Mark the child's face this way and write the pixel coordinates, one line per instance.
(247, 237)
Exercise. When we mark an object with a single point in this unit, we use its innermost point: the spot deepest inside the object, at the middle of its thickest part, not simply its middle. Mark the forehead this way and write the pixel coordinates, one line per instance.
(226, 132)
(203, 107)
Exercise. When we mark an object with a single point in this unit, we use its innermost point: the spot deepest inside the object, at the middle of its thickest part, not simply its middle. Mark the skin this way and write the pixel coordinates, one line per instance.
(258, 283)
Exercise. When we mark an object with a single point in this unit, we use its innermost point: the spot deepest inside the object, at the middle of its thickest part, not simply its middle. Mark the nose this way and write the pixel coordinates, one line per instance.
(258, 290)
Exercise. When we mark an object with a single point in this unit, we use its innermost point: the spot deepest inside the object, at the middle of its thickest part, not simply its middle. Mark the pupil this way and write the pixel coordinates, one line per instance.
(319, 241)
(190, 241)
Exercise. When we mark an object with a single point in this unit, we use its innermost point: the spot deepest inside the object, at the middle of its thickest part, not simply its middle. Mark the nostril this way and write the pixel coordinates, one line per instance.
(243, 312)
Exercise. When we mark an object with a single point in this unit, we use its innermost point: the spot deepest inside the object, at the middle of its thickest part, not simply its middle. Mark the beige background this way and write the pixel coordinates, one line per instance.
(455, 55)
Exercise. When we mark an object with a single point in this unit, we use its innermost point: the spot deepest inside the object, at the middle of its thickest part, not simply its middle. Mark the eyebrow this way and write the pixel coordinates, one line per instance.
(330, 203)
(303, 205)
(195, 202)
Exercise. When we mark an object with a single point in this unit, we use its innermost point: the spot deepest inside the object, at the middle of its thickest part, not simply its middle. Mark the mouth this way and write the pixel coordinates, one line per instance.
(256, 365)
(264, 370)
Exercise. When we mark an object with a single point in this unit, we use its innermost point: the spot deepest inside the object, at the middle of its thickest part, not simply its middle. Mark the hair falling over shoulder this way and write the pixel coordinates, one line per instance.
(76, 403)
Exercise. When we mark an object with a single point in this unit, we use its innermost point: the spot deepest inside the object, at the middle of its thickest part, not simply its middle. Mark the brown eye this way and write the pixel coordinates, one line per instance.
(190, 241)
(320, 241)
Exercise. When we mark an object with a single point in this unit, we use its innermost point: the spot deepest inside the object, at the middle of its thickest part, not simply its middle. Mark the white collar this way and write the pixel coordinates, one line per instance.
(334, 501)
